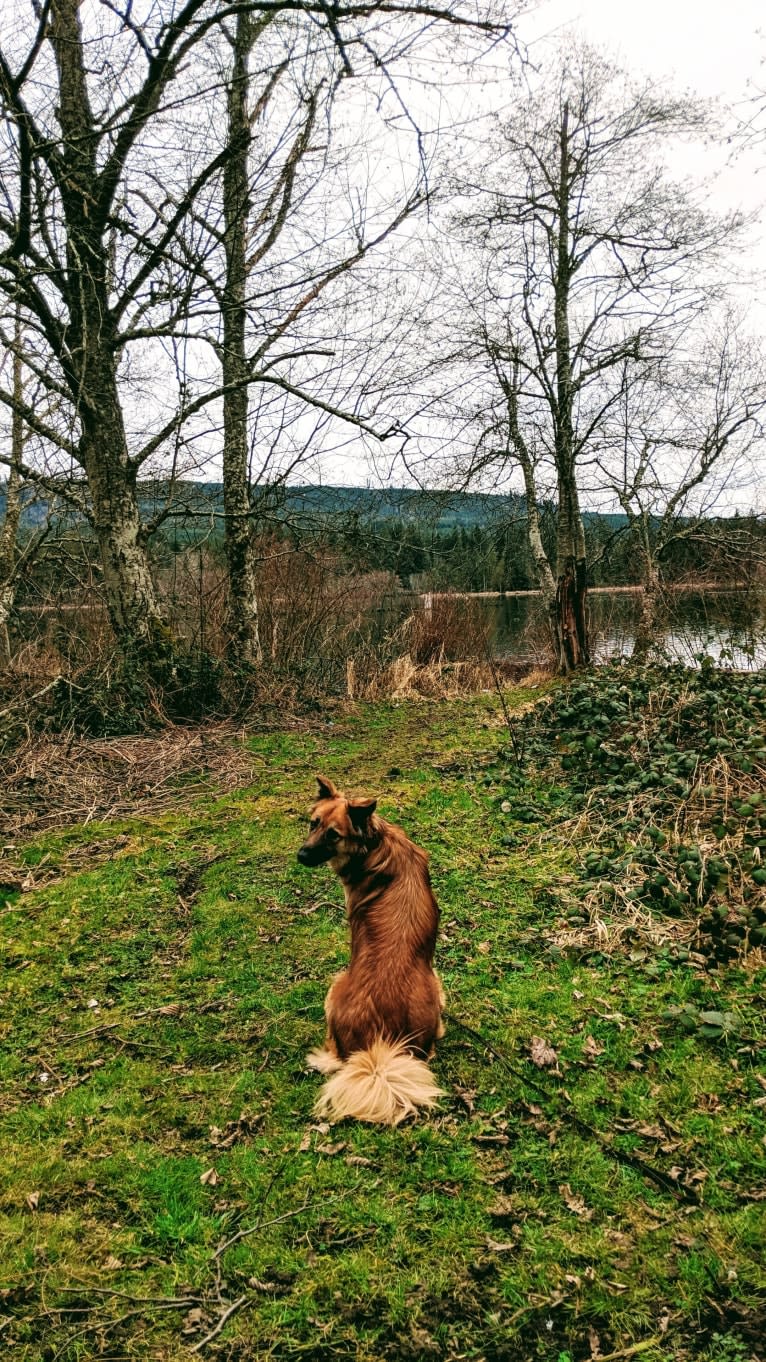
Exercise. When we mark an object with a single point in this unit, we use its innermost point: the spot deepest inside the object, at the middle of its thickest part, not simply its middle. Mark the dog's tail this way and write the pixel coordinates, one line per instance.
(383, 1084)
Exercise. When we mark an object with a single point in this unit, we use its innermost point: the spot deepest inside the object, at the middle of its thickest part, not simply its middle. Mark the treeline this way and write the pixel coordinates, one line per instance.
(722, 551)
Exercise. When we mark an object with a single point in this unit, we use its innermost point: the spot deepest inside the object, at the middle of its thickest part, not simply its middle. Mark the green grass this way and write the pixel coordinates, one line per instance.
(158, 999)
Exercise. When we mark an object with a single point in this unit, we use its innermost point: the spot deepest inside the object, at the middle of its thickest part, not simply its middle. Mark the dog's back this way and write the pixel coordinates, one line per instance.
(383, 1012)
(389, 989)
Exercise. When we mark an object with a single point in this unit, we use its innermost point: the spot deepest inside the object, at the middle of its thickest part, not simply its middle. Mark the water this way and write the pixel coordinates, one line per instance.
(729, 626)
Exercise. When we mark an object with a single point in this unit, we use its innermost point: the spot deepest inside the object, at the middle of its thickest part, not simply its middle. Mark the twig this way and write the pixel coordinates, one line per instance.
(632, 1350)
(112, 1026)
(162, 1302)
(227, 1314)
(264, 1224)
(29, 699)
(622, 1156)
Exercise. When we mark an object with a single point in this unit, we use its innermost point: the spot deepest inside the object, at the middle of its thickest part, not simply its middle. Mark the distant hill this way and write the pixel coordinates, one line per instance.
(442, 511)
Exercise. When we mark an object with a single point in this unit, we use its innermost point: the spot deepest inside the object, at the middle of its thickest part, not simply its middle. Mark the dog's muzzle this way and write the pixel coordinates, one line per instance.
(314, 855)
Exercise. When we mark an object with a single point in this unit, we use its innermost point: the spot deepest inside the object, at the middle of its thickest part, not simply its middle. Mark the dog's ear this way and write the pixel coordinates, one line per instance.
(361, 810)
(326, 788)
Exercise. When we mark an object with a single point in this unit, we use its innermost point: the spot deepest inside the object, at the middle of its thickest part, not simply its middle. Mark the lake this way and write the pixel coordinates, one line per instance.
(729, 626)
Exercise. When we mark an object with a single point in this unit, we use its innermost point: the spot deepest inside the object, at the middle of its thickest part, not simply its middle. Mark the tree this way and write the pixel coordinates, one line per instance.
(267, 191)
(588, 260)
(16, 554)
(684, 440)
(108, 237)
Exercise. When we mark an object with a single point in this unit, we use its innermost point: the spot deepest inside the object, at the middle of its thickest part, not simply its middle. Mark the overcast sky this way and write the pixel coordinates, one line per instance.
(714, 48)
(711, 46)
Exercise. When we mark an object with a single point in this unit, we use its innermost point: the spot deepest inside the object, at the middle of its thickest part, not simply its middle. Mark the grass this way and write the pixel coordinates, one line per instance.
(165, 977)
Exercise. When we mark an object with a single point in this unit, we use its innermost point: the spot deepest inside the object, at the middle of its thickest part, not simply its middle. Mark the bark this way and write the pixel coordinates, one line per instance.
(10, 528)
(543, 572)
(648, 629)
(571, 581)
(571, 574)
(244, 637)
(92, 357)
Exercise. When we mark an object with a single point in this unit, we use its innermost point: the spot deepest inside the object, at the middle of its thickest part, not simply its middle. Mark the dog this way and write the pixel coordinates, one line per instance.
(384, 1013)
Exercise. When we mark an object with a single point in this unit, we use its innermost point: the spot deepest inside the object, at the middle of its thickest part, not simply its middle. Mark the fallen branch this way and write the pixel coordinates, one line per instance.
(227, 1314)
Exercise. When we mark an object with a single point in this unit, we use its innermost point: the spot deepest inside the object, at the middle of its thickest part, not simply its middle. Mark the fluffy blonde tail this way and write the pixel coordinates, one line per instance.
(383, 1085)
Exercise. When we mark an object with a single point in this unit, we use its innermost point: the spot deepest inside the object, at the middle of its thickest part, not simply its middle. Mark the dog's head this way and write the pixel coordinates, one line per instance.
(339, 829)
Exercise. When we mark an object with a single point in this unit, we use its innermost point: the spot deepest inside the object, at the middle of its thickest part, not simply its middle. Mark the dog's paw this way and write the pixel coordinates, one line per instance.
(323, 1061)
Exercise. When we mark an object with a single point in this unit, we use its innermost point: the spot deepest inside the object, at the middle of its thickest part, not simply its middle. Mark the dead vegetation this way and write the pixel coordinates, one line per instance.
(55, 781)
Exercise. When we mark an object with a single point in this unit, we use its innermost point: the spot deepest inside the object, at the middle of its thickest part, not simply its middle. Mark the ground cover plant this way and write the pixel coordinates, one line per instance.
(592, 1185)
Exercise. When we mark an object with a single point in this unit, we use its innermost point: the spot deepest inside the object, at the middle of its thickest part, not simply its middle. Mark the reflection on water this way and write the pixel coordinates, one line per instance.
(729, 626)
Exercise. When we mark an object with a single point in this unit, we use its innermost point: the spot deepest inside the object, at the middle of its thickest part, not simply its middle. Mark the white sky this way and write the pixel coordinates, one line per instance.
(714, 48)
(711, 46)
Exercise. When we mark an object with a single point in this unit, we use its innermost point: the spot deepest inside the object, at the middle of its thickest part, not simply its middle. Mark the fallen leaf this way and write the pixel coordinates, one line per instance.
(210, 1178)
(33, 1200)
(331, 1148)
(592, 1047)
(193, 1320)
(542, 1054)
(505, 1207)
(497, 1247)
(357, 1161)
(594, 1341)
(305, 1143)
(575, 1203)
(112, 1263)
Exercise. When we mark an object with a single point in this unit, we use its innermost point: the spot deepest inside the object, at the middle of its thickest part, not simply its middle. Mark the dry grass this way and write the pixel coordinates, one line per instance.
(407, 679)
(54, 781)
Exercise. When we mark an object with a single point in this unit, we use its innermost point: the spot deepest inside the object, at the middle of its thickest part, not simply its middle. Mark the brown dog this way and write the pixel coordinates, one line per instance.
(383, 1012)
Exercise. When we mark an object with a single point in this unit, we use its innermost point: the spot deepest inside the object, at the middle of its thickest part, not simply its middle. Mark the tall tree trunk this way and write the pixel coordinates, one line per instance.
(648, 628)
(10, 527)
(91, 363)
(571, 568)
(244, 636)
(546, 581)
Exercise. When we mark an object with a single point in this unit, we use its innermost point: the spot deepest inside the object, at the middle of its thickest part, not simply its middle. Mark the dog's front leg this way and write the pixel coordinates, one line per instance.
(327, 1060)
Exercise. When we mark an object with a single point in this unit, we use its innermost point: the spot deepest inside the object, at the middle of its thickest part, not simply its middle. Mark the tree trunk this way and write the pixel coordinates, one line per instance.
(91, 364)
(10, 528)
(244, 644)
(648, 630)
(571, 568)
(543, 572)
(131, 599)
(571, 582)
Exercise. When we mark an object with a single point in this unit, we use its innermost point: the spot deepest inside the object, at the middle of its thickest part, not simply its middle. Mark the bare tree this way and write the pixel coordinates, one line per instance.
(685, 440)
(111, 158)
(590, 261)
(278, 176)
